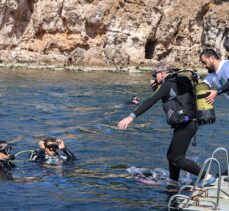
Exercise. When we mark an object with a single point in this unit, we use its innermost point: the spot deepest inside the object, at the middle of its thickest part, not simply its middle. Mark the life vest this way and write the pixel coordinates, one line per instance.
(180, 109)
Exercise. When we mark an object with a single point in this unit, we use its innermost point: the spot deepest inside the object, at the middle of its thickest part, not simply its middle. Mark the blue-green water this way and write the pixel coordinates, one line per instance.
(84, 109)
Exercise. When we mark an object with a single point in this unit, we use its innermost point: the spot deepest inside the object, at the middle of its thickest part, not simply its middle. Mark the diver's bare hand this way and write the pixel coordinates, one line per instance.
(211, 97)
(4, 157)
(123, 124)
(153, 83)
(41, 144)
(60, 143)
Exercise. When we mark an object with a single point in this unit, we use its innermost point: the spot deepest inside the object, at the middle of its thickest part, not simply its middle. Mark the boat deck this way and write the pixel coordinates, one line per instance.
(205, 199)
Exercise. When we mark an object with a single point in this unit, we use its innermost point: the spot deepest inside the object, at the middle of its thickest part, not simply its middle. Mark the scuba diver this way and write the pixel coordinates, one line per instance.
(50, 152)
(178, 98)
(5, 158)
(134, 101)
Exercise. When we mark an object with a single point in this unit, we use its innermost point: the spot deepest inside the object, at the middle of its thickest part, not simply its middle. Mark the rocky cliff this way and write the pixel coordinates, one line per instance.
(112, 33)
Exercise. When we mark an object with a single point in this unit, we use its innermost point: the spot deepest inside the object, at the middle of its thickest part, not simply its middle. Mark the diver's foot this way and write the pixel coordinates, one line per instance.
(173, 188)
(207, 183)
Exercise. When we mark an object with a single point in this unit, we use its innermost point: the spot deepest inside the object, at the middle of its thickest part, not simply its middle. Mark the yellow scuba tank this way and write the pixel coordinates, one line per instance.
(205, 110)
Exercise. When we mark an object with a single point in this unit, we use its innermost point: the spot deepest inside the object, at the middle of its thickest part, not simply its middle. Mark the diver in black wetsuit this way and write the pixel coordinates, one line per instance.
(176, 93)
(49, 152)
(5, 160)
(134, 101)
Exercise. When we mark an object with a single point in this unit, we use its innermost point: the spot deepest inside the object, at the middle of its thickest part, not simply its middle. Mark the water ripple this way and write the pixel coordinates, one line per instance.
(83, 109)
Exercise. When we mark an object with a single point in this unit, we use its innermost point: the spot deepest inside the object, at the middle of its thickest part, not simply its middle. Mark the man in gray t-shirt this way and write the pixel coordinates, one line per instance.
(218, 77)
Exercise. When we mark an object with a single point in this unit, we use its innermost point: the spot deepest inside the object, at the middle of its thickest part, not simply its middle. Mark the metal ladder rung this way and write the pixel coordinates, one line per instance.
(194, 188)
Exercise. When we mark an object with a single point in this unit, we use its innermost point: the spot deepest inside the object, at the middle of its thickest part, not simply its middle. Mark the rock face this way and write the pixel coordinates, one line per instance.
(112, 33)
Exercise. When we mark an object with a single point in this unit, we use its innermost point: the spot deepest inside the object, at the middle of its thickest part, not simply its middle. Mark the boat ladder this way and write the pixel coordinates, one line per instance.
(182, 201)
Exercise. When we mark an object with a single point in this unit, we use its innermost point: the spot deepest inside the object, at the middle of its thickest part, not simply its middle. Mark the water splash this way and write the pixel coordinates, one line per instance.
(157, 176)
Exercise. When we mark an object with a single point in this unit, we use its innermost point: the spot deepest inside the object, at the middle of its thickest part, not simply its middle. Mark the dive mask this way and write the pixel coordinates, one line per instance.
(6, 149)
(52, 147)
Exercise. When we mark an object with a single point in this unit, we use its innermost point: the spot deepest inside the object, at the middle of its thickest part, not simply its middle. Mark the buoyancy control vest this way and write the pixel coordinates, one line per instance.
(205, 113)
(180, 107)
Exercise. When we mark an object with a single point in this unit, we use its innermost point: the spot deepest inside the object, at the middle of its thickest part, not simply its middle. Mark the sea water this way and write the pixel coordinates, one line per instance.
(84, 109)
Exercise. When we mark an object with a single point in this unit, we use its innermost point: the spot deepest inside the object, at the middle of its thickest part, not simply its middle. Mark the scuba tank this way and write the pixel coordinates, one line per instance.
(205, 111)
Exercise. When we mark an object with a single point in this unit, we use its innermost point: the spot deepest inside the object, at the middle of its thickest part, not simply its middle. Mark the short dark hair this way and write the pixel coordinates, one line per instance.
(161, 67)
(208, 52)
(49, 139)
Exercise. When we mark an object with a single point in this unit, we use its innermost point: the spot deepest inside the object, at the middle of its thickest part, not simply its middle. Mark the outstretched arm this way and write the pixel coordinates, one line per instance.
(123, 124)
(148, 103)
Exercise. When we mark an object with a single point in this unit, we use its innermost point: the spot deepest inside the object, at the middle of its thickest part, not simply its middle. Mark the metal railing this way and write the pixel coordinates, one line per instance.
(208, 164)
(213, 155)
(208, 161)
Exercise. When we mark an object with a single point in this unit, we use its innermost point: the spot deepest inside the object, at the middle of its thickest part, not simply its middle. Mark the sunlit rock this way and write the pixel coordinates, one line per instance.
(112, 33)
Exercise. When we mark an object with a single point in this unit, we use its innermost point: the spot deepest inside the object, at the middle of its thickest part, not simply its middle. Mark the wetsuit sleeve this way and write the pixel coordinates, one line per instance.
(1, 166)
(39, 155)
(161, 92)
(6, 165)
(12, 165)
(224, 88)
(69, 154)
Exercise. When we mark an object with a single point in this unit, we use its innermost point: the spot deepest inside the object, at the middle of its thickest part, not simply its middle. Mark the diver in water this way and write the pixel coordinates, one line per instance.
(5, 157)
(52, 151)
(134, 101)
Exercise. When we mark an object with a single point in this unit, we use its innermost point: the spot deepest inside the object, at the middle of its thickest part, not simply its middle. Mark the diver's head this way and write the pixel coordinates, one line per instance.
(51, 145)
(135, 100)
(210, 60)
(5, 151)
(160, 72)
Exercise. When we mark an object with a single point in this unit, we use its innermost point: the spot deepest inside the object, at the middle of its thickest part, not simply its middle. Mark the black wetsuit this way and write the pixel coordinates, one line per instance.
(6, 165)
(174, 86)
(40, 156)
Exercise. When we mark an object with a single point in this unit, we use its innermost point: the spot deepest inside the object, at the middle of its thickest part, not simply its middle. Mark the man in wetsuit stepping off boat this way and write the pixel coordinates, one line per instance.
(176, 93)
